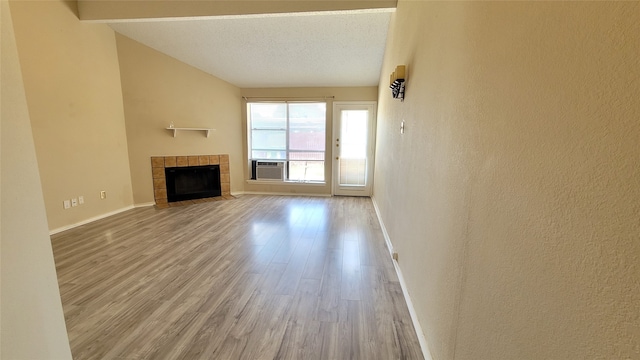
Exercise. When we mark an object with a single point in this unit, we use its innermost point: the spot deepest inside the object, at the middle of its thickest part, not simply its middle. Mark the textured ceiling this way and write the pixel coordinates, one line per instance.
(275, 50)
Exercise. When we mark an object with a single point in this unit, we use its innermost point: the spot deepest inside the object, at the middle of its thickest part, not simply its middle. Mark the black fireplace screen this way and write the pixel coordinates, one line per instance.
(192, 182)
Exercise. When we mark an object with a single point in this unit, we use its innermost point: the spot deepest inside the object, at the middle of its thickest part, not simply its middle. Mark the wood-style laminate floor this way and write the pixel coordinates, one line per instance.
(258, 277)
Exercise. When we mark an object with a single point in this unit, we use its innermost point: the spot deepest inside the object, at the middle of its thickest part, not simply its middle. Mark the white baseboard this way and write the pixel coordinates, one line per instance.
(143, 204)
(92, 219)
(285, 183)
(280, 194)
(412, 311)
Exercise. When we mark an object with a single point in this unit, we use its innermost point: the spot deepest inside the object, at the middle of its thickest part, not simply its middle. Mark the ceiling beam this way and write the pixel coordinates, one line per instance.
(129, 10)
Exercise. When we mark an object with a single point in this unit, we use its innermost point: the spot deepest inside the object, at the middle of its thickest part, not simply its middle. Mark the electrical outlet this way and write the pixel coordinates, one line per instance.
(66, 204)
(74, 202)
(103, 194)
(80, 200)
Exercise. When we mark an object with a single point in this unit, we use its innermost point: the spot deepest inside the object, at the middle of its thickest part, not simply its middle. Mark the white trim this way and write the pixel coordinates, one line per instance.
(282, 194)
(384, 229)
(412, 311)
(89, 220)
(285, 183)
(143, 204)
(248, 16)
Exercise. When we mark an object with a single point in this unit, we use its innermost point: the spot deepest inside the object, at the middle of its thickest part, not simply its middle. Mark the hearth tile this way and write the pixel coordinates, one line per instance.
(193, 161)
(157, 161)
(158, 173)
(162, 206)
(225, 187)
(162, 201)
(182, 161)
(229, 197)
(159, 183)
(214, 159)
(224, 169)
(225, 178)
(169, 161)
(203, 159)
(160, 194)
(224, 159)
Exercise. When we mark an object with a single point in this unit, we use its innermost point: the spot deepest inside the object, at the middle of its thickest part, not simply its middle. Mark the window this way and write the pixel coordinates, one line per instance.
(294, 132)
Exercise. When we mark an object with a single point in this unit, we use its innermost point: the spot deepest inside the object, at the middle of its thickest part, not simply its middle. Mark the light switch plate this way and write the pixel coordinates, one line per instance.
(66, 204)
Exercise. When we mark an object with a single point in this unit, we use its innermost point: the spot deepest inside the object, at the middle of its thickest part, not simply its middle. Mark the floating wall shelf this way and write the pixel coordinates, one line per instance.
(175, 130)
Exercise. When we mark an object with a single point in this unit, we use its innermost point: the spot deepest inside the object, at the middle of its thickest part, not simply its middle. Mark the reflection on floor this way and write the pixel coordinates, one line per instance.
(259, 277)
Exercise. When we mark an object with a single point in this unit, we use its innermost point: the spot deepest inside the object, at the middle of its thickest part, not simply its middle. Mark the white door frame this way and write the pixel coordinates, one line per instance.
(366, 190)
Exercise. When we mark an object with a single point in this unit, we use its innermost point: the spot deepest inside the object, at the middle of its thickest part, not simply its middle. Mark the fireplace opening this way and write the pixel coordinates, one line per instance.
(192, 182)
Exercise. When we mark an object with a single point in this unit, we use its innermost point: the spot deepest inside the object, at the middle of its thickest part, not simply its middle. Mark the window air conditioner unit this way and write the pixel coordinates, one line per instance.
(270, 170)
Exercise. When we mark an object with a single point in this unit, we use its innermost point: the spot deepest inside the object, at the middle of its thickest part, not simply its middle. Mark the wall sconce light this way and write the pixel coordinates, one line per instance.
(397, 82)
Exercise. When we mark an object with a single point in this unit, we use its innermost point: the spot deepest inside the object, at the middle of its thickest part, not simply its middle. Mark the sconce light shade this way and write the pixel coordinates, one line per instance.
(396, 83)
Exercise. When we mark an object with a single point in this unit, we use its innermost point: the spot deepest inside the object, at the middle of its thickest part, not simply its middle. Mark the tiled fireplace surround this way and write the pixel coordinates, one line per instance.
(159, 163)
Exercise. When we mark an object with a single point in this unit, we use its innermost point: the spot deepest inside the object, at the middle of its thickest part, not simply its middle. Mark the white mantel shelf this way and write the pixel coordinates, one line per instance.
(175, 130)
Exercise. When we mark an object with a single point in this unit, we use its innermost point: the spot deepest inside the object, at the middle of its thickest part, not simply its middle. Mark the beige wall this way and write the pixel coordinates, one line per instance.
(512, 198)
(32, 323)
(158, 90)
(369, 93)
(72, 83)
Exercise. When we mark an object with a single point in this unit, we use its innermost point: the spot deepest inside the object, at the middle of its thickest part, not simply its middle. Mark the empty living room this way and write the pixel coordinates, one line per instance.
(360, 179)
